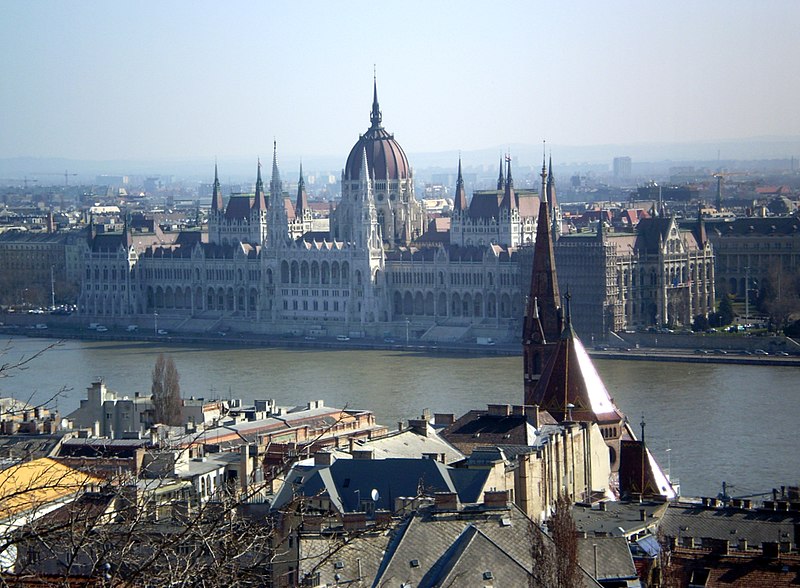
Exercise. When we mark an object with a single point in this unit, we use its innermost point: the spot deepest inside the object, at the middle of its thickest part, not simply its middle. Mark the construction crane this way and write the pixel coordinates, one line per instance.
(23, 180)
(66, 175)
(721, 176)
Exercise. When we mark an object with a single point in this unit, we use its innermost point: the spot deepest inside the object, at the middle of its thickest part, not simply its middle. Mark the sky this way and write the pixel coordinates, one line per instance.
(194, 79)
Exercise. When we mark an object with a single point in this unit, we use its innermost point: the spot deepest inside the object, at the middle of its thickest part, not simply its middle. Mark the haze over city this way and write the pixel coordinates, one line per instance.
(199, 80)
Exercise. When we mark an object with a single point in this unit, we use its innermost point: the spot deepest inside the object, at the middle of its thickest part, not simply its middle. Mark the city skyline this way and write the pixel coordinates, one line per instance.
(97, 81)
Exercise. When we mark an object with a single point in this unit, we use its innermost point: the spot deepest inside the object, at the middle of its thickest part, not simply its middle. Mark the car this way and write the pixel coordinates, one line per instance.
(782, 354)
(388, 340)
(101, 329)
(222, 333)
(310, 338)
(163, 332)
(41, 326)
(131, 328)
(720, 352)
(342, 338)
(760, 352)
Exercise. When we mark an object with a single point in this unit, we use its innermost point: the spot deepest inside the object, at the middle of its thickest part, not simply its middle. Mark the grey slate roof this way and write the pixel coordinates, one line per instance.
(614, 559)
(347, 482)
(754, 526)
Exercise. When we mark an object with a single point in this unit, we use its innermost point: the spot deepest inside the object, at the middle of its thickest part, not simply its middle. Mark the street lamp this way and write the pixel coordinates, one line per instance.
(408, 322)
(155, 321)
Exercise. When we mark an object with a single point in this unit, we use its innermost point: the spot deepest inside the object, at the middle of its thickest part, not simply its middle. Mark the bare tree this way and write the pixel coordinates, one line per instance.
(565, 537)
(166, 391)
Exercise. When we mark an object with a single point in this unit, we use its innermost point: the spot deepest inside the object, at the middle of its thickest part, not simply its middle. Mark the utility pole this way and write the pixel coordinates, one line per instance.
(52, 290)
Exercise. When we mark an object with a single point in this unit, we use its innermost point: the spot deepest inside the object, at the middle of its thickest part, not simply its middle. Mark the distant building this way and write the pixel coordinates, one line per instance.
(658, 275)
(622, 168)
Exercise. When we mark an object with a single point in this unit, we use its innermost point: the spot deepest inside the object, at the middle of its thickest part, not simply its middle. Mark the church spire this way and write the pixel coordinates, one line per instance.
(543, 320)
(277, 224)
(460, 203)
(216, 198)
(500, 180)
(509, 201)
(259, 203)
(302, 197)
(375, 116)
(543, 175)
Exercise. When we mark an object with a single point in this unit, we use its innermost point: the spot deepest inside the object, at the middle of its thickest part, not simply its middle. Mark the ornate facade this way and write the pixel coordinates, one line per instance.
(658, 275)
(261, 268)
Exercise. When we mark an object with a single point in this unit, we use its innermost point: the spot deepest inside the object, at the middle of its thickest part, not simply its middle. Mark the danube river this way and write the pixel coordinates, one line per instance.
(708, 422)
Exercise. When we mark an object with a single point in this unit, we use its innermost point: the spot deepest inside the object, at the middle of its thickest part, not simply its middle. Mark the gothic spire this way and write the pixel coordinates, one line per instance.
(259, 203)
(543, 175)
(302, 196)
(543, 320)
(375, 116)
(500, 180)
(461, 194)
(551, 187)
(216, 198)
(509, 201)
(276, 176)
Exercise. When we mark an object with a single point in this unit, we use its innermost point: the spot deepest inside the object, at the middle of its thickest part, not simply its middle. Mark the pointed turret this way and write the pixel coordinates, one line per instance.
(543, 320)
(278, 222)
(275, 185)
(302, 197)
(460, 200)
(570, 388)
(551, 188)
(127, 238)
(501, 182)
(259, 203)
(375, 116)
(509, 201)
(216, 198)
(543, 174)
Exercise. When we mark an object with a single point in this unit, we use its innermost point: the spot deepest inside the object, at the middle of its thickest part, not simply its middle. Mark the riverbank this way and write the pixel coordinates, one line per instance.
(669, 349)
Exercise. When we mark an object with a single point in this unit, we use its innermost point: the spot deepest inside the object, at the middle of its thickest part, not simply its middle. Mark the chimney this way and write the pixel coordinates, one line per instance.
(363, 454)
(444, 418)
(500, 410)
(446, 500)
(496, 498)
(532, 412)
(323, 458)
(354, 521)
(742, 544)
(642, 514)
(769, 549)
(246, 466)
(419, 426)
(602, 506)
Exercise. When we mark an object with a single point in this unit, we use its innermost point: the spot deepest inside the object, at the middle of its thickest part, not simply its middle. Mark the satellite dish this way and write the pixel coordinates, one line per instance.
(375, 495)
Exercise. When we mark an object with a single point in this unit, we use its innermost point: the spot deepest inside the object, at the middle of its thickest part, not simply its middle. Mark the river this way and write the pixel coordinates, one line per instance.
(719, 422)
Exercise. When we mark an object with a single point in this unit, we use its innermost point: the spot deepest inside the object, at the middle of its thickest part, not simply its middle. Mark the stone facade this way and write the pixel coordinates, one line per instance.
(659, 275)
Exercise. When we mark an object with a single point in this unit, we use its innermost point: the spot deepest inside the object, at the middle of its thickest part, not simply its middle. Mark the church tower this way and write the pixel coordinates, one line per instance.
(277, 224)
(303, 219)
(543, 320)
(460, 215)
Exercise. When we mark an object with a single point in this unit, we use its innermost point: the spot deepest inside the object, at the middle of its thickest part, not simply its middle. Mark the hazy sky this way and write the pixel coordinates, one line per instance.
(187, 79)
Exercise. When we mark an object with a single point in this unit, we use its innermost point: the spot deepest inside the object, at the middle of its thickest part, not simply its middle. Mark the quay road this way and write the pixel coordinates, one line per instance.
(663, 352)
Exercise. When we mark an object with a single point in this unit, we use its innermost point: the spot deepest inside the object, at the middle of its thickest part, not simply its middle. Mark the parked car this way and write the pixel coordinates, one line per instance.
(163, 332)
(101, 329)
(342, 338)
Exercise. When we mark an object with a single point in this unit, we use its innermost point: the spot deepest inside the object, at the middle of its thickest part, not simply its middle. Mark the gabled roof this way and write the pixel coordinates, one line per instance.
(571, 378)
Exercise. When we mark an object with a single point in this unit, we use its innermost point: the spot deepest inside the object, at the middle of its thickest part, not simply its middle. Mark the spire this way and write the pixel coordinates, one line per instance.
(259, 203)
(500, 180)
(543, 175)
(375, 116)
(216, 198)
(302, 197)
(460, 204)
(551, 188)
(277, 222)
(509, 201)
(543, 321)
(276, 176)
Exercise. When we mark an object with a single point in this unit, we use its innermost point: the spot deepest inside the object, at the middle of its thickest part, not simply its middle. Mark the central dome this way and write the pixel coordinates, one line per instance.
(386, 160)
